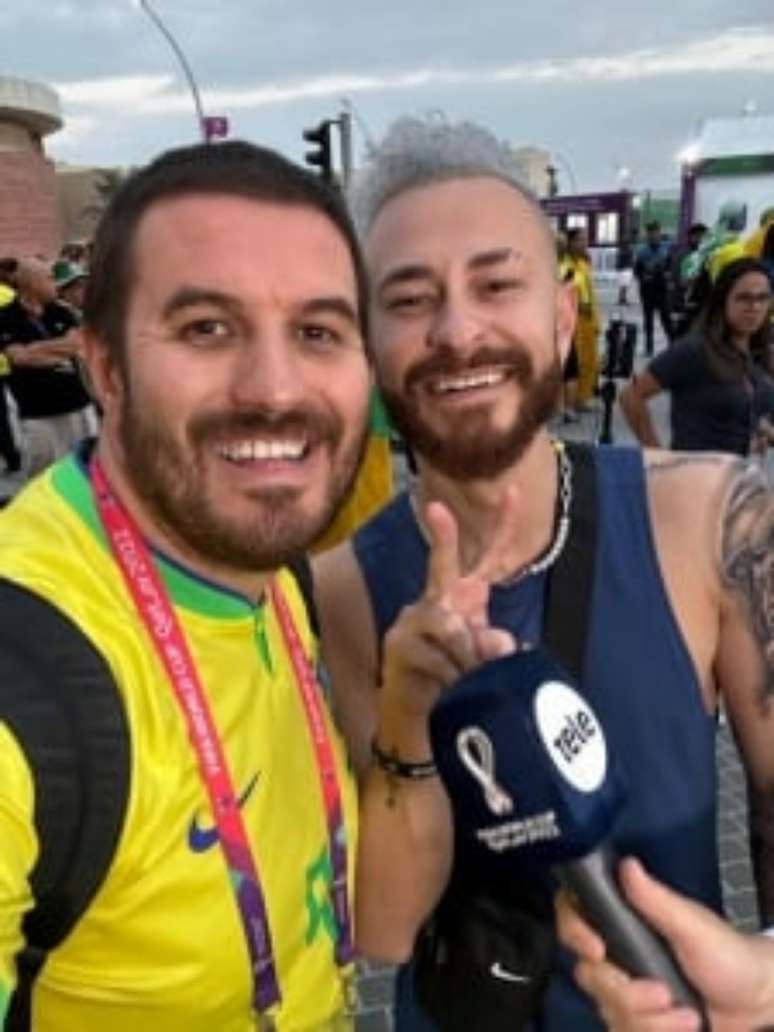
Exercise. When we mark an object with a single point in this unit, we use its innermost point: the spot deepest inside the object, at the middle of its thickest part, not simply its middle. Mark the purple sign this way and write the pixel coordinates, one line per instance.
(215, 127)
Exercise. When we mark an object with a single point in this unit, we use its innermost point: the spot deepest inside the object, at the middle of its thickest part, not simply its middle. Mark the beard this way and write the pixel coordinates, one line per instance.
(171, 479)
(474, 449)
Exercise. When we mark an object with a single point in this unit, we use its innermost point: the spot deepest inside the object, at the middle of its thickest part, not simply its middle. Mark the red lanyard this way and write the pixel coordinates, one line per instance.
(155, 609)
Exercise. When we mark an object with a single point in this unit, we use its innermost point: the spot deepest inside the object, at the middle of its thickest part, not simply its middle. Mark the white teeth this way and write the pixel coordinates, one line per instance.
(471, 380)
(261, 450)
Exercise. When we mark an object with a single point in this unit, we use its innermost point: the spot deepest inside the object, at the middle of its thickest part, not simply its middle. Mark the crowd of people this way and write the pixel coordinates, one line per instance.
(41, 380)
(217, 781)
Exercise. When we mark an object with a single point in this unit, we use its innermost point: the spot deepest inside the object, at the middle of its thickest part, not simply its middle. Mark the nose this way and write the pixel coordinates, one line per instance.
(268, 372)
(456, 325)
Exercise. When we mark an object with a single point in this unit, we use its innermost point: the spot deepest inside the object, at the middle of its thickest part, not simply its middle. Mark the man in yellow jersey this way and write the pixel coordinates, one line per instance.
(587, 327)
(162, 737)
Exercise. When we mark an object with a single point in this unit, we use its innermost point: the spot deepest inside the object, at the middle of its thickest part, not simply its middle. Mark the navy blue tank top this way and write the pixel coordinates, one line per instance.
(638, 675)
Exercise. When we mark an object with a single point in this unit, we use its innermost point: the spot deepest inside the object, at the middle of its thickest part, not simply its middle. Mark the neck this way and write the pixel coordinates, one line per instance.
(246, 583)
(740, 342)
(476, 505)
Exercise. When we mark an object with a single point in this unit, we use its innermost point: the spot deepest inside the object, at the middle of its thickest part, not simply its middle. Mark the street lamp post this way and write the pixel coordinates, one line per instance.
(568, 169)
(145, 6)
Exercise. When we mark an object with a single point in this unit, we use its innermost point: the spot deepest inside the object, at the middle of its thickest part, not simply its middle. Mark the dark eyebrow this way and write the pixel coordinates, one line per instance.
(404, 273)
(334, 305)
(494, 257)
(186, 297)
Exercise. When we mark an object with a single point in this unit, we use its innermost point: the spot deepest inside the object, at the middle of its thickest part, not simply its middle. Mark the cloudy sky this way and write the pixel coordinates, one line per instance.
(603, 84)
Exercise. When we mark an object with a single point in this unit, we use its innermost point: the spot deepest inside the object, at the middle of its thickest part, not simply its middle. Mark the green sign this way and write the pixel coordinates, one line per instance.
(743, 164)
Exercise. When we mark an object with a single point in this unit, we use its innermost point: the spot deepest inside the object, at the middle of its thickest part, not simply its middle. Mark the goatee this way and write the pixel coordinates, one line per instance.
(474, 449)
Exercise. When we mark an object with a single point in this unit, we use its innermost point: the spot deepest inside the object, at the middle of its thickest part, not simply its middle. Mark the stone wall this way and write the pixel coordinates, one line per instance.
(29, 213)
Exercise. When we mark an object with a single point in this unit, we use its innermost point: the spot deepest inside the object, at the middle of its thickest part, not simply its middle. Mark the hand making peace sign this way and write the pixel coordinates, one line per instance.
(447, 631)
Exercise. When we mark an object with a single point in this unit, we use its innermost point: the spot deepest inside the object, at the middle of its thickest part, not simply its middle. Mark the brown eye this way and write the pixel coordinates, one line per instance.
(205, 331)
(318, 334)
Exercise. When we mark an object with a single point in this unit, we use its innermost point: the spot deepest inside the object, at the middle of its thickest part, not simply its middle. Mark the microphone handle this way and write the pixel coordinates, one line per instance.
(631, 944)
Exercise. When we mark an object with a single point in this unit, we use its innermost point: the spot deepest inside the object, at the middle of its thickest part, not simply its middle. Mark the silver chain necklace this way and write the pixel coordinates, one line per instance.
(562, 526)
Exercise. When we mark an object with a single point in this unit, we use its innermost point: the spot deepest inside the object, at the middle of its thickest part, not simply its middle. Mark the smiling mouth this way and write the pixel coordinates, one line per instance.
(468, 381)
(261, 449)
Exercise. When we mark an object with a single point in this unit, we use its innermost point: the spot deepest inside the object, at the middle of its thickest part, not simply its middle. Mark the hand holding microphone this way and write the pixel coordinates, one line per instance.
(532, 785)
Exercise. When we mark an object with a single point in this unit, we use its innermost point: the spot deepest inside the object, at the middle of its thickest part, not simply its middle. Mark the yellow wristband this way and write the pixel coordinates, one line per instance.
(5, 365)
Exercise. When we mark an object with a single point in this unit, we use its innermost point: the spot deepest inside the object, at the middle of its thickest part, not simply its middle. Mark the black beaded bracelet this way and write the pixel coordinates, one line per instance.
(390, 763)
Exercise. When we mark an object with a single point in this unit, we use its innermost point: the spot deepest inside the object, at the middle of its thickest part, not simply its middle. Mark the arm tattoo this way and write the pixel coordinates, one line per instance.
(747, 560)
(662, 465)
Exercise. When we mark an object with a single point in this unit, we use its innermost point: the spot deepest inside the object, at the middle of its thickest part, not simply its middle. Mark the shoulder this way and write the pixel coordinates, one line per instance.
(685, 354)
(690, 479)
(700, 499)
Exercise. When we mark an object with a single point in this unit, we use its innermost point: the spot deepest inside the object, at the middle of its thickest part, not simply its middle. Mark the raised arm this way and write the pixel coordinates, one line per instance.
(405, 847)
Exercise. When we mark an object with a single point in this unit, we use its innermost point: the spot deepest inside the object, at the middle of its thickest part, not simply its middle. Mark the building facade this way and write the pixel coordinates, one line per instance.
(29, 211)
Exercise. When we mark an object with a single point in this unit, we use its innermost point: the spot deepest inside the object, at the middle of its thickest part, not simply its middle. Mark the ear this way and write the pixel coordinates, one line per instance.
(102, 369)
(566, 311)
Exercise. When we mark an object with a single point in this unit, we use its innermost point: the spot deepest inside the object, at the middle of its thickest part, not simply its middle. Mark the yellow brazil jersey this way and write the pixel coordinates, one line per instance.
(161, 947)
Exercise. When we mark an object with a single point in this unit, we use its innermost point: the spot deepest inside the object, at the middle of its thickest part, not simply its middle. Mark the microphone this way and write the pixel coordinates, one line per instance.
(532, 785)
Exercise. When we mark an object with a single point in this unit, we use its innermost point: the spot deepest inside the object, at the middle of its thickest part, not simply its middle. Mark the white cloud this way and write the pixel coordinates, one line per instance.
(115, 91)
(77, 129)
(736, 50)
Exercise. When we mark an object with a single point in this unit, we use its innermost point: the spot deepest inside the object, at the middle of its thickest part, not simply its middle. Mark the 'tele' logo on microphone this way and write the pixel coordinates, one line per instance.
(572, 735)
(475, 749)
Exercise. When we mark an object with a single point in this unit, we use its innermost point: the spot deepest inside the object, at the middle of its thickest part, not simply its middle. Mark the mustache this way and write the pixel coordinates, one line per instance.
(309, 423)
(446, 361)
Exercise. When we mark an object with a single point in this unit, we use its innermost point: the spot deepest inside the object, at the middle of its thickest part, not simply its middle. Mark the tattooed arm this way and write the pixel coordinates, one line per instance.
(745, 656)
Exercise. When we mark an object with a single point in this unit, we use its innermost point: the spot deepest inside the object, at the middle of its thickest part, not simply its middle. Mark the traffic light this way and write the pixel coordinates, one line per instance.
(321, 155)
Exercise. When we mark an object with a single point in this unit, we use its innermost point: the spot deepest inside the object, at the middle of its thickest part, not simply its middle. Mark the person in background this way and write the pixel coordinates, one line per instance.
(733, 972)
(651, 269)
(9, 450)
(684, 274)
(587, 328)
(41, 340)
(566, 273)
(767, 253)
(717, 377)
(720, 245)
(70, 281)
(753, 244)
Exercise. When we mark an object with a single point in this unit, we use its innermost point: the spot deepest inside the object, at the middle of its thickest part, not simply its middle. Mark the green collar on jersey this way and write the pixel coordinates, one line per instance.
(186, 588)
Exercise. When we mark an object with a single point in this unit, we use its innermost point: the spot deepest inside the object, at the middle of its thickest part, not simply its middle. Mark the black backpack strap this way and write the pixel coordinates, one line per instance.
(59, 699)
(302, 570)
(571, 581)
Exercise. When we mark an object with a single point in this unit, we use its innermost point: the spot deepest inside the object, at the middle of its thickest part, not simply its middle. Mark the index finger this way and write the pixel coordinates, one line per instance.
(443, 564)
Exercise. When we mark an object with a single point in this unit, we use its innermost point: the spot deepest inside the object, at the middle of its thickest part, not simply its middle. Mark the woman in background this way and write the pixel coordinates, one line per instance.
(719, 376)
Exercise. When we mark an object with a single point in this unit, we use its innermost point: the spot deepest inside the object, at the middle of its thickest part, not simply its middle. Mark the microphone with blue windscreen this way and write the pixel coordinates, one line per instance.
(533, 786)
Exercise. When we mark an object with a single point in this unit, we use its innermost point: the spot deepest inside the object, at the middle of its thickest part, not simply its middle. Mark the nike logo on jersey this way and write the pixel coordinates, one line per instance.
(202, 839)
(498, 971)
